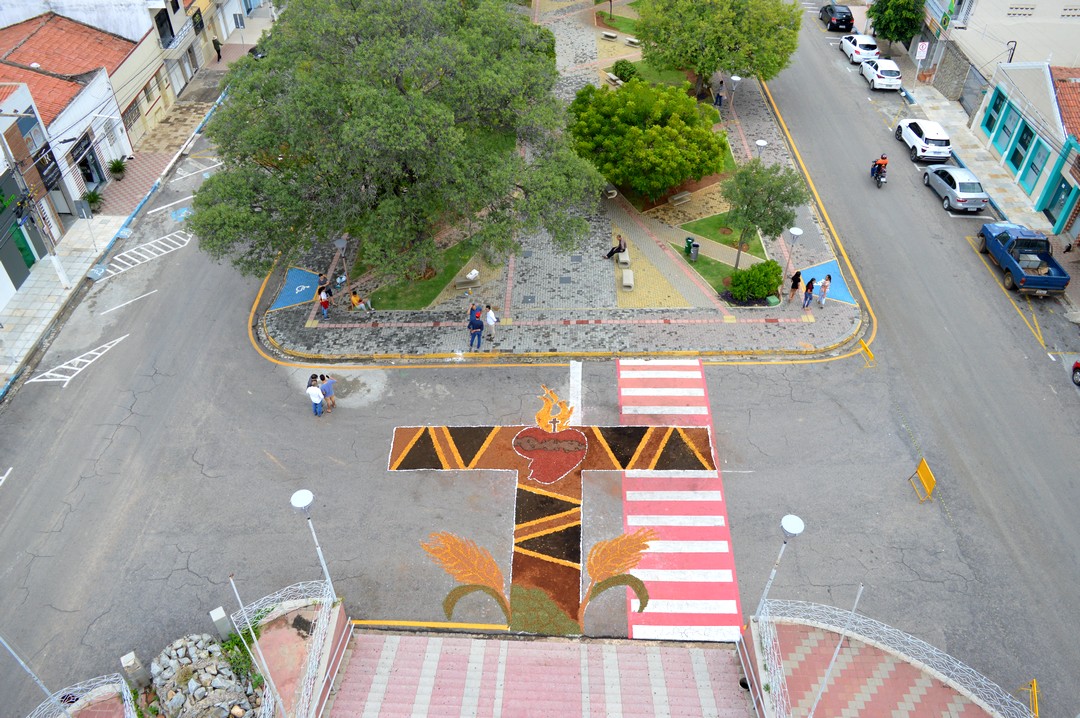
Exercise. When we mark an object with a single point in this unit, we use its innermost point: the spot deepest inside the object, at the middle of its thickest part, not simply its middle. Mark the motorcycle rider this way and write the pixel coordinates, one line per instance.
(879, 166)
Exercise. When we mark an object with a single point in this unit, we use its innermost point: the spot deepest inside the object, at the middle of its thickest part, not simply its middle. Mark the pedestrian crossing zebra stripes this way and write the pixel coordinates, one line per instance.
(689, 571)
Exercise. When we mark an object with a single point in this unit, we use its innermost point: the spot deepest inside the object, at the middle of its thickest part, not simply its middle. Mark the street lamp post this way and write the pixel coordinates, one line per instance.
(795, 234)
(301, 501)
(735, 80)
(761, 145)
(791, 526)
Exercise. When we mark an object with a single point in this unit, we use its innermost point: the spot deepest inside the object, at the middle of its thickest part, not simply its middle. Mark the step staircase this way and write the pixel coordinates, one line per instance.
(391, 674)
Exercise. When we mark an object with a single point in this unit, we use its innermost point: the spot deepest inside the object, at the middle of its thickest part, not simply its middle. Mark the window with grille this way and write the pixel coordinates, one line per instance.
(132, 114)
(148, 92)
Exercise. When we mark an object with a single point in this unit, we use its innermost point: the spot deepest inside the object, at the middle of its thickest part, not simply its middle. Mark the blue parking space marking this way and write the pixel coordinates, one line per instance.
(300, 286)
(838, 289)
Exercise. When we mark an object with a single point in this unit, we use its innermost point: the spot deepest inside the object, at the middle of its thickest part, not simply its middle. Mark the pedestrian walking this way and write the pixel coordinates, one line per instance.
(619, 248)
(326, 383)
(476, 331)
(313, 380)
(796, 280)
(718, 94)
(324, 303)
(217, 48)
(490, 320)
(808, 296)
(824, 288)
(315, 394)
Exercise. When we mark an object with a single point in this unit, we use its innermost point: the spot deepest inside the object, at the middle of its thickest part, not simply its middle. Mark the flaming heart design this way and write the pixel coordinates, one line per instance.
(553, 453)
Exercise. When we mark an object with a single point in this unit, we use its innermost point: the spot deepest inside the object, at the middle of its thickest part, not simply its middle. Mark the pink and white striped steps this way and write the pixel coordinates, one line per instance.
(390, 675)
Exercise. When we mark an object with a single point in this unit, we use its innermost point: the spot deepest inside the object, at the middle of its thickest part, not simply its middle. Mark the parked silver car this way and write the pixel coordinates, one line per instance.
(958, 188)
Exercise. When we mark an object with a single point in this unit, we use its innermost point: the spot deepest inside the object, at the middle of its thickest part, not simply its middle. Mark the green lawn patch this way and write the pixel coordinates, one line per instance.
(710, 270)
(712, 228)
(413, 294)
(660, 77)
(729, 161)
(625, 25)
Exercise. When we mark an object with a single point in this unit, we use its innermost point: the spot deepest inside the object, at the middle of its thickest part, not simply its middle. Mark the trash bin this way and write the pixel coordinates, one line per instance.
(689, 244)
(694, 249)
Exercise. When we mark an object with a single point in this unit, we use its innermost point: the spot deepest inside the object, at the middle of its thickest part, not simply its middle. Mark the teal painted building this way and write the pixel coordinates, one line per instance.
(1030, 121)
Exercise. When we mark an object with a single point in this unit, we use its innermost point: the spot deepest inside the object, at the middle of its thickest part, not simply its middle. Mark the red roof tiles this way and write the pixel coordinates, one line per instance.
(51, 94)
(62, 46)
(1067, 90)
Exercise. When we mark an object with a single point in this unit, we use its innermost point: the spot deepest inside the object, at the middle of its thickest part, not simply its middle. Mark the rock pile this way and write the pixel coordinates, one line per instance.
(192, 678)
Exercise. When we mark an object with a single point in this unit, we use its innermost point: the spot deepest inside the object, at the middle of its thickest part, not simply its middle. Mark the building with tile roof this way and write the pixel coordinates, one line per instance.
(1030, 120)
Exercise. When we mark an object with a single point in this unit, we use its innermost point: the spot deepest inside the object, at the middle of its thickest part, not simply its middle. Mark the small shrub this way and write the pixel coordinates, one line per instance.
(184, 675)
(757, 282)
(237, 656)
(625, 70)
(257, 681)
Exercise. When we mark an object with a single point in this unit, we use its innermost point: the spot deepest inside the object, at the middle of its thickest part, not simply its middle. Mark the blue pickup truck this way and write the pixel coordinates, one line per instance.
(1026, 258)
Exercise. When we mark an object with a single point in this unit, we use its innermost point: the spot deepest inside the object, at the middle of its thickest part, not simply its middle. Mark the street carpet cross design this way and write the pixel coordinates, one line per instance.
(548, 461)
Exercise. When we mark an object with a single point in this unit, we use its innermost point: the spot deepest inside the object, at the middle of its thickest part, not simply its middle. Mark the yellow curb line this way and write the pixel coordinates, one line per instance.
(432, 624)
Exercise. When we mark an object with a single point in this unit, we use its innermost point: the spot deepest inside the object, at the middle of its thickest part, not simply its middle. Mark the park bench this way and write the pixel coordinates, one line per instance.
(613, 79)
(633, 42)
(681, 198)
(609, 36)
(610, 191)
(628, 279)
(624, 258)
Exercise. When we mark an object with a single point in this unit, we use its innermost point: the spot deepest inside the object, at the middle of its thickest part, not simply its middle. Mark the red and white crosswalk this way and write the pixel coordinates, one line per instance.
(690, 570)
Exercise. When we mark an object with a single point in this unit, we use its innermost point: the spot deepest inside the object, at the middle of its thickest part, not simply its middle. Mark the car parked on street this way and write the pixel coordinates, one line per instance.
(926, 140)
(881, 74)
(1076, 373)
(837, 17)
(859, 48)
(958, 188)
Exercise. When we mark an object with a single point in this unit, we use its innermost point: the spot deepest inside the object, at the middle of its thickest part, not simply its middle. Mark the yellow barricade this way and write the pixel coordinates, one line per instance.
(926, 478)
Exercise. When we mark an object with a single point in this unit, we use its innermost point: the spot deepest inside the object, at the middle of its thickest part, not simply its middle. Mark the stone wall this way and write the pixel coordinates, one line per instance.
(951, 72)
(193, 679)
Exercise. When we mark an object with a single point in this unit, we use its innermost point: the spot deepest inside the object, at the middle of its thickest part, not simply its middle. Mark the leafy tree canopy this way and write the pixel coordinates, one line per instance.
(764, 197)
(896, 20)
(389, 119)
(750, 38)
(644, 137)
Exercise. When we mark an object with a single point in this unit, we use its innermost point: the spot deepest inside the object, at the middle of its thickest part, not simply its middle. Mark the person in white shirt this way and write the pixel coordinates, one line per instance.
(314, 393)
(491, 320)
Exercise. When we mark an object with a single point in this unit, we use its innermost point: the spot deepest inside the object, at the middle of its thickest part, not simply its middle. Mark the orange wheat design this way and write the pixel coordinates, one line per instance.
(617, 556)
(466, 562)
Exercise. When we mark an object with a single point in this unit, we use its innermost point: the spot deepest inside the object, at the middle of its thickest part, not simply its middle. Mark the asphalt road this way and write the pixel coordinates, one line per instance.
(168, 463)
(991, 566)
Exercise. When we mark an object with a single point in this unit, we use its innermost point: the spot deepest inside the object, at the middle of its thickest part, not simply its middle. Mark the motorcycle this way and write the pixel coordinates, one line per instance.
(878, 173)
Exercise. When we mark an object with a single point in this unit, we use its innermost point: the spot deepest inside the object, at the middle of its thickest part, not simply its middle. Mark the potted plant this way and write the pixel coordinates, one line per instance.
(117, 168)
(94, 199)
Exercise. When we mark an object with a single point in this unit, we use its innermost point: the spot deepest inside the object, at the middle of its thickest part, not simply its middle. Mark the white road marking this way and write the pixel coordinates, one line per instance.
(674, 496)
(658, 362)
(145, 252)
(660, 605)
(574, 400)
(674, 473)
(71, 369)
(196, 172)
(170, 204)
(659, 374)
(6, 474)
(688, 547)
(660, 391)
(674, 520)
(649, 410)
(714, 634)
(129, 301)
(677, 575)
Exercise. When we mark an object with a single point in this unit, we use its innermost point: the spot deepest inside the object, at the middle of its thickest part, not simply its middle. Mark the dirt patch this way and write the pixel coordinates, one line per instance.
(704, 202)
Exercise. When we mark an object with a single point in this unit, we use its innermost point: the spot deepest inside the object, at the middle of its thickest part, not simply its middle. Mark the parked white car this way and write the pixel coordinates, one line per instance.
(881, 74)
(859, 48)
(926, 140)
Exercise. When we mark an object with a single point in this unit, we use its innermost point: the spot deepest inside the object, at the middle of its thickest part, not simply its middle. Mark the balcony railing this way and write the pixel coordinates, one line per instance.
(179, 41)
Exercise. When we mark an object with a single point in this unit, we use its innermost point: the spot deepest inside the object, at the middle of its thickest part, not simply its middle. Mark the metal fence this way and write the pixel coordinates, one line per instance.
(964, 679)
(66, 700)
(776, 687)
(279, 603)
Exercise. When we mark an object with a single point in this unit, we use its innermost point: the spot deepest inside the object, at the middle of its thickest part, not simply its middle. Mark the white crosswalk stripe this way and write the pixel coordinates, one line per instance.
(146, 252)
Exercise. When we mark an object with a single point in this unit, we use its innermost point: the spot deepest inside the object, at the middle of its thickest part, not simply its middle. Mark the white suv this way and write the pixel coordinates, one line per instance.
(927, 140)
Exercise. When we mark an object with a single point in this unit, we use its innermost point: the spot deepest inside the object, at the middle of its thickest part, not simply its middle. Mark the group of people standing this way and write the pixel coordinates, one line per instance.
(808, 290)
(479, 320)
(320, 389)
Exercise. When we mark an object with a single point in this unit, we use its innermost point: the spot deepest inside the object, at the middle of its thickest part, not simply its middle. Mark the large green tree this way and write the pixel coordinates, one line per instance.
(896, 20)
(763, 198)
(644, 137)
(390, 119)
(751, 38)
